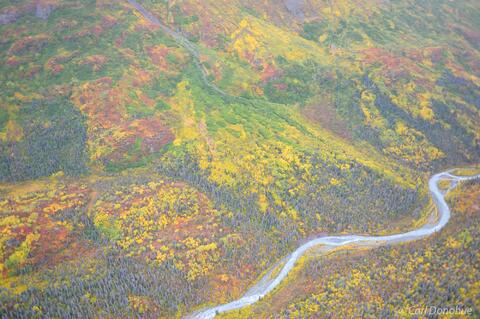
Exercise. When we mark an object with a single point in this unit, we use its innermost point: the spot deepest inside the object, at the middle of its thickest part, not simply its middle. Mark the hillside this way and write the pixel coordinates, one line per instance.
(151, 168)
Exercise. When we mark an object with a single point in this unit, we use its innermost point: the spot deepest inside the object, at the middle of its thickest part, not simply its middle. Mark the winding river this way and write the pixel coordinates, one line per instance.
(437, 221)
(267, 284)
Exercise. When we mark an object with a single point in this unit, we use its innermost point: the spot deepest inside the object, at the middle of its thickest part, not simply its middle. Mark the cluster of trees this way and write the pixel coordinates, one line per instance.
(353, 198)
(52, 138)
(113, 281)
(329, 196)
(101, 286)
(141, 219)
(453, 139)
(442, 136)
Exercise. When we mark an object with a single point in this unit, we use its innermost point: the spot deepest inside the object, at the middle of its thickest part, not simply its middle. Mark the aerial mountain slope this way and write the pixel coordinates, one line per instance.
(402, 75)
(115, 144)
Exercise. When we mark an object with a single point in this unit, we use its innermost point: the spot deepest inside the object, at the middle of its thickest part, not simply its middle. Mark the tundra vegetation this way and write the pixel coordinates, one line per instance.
(129, 186)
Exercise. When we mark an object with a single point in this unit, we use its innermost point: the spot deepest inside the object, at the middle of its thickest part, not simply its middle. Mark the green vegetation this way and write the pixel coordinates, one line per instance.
(145, 173)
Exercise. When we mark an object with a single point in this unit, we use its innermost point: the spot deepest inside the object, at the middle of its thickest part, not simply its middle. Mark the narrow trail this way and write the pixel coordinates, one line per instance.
(266, 284)
(182, 41)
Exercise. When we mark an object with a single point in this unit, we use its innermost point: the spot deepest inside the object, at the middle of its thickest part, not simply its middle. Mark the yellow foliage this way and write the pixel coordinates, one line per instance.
(182, 103)
(323, 37)
(53, 207)
(20, 255)
(11, 220)
(334, 181)
(253, 36)
(426, 113)
(401, 128)
(262, 202)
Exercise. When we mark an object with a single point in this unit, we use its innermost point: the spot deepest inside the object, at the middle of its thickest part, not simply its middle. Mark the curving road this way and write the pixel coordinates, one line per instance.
(267, 284)
(181, 40)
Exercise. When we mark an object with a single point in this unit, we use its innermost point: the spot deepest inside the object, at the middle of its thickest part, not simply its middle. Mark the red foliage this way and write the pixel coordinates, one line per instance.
(14, 61)
(393, 66)
(11, 34)
(268, 73)
(141, 78)
(101, 109)
(154, 134)
(158, 55)
(151, 131)
(30, 43)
